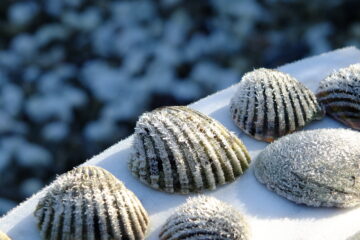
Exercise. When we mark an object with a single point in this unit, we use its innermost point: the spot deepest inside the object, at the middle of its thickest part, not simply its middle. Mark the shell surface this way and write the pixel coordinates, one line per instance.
(269, 104)
(3, 236)
(205, 218)
(317, 168)
(90, 203)
(177, 149)
(339, 93)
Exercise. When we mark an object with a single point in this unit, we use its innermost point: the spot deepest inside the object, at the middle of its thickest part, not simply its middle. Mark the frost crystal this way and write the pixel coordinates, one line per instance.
(340, 95)
(203, 218)
(177, 149)
(269, 104)
(316, 168)
(90, 203)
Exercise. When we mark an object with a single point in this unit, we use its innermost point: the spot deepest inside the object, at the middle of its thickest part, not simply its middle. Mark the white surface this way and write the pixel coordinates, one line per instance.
(270, 216)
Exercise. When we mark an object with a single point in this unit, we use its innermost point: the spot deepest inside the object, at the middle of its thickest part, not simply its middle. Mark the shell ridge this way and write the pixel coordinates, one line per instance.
(134, 224)
(184, 180)
(67, 216)
(190, 158)
(251, 111)
(100, 211)
(211, 151)
(154, 152)
(296, 105)
(199, 153)
(202, 156)
(260, 108)
(230, 153)
(289, 114)
(275, 124)
(138, 161)
(78, 221)
(140, 212)
(220, 154)
(166, 165)
(57, 220)
(112, 214)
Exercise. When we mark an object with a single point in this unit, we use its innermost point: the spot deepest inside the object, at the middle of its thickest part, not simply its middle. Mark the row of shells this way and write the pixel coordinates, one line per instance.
(269, 104)
(179, 150)
(90, 203)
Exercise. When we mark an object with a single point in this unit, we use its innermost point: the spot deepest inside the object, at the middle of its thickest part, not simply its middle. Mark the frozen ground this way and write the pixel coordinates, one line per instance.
(270, 216)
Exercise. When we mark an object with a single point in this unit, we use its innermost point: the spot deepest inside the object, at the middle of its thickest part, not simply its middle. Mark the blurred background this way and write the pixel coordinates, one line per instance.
(76, 74)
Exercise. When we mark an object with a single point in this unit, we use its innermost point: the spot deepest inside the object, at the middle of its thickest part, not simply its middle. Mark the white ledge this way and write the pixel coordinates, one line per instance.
(270, 216)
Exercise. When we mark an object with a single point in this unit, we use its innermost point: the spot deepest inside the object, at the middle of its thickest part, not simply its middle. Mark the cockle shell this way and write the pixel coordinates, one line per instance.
(3, 236)
(317, 168)
(269, 104)
(90, 203)
(339, 93)
(177, 149)
(205, 218)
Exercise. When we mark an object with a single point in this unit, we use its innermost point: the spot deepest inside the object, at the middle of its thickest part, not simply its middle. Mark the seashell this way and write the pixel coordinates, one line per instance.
(269, 104)
(3, 236)
(339, 93)
(177, 149)
(317, 168)
(90, 203)
(205, 218)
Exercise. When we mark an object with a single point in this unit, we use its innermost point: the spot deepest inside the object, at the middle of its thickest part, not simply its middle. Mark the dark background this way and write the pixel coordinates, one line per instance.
(76, 74)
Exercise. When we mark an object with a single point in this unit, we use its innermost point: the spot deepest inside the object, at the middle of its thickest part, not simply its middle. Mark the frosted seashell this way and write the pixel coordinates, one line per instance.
(177, 149)
(316, 168)
(339, 93)
(3, 236)
(90, 203)
(269, 104)
(205, 218)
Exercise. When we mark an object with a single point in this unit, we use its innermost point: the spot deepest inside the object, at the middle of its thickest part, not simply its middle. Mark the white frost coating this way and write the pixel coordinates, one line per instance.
(340, 95)
(90, 203)
(277, 217)
(177, 149)
(269, 104)
(319, 168)
(205, 218)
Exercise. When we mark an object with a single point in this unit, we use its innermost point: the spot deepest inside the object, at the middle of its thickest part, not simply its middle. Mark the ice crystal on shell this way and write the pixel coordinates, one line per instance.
(3, 236)
(90, 203)
(340, 95)
(316, 168)
(269, 104)
(205, 218)
(177, 149)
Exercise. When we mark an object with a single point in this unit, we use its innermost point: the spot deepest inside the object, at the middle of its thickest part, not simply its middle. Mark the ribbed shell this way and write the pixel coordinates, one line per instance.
(339, 93)
(90, 203)
(3, 236)
(205, 218)
(177, 149)
(269, 104)
(316, 168)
